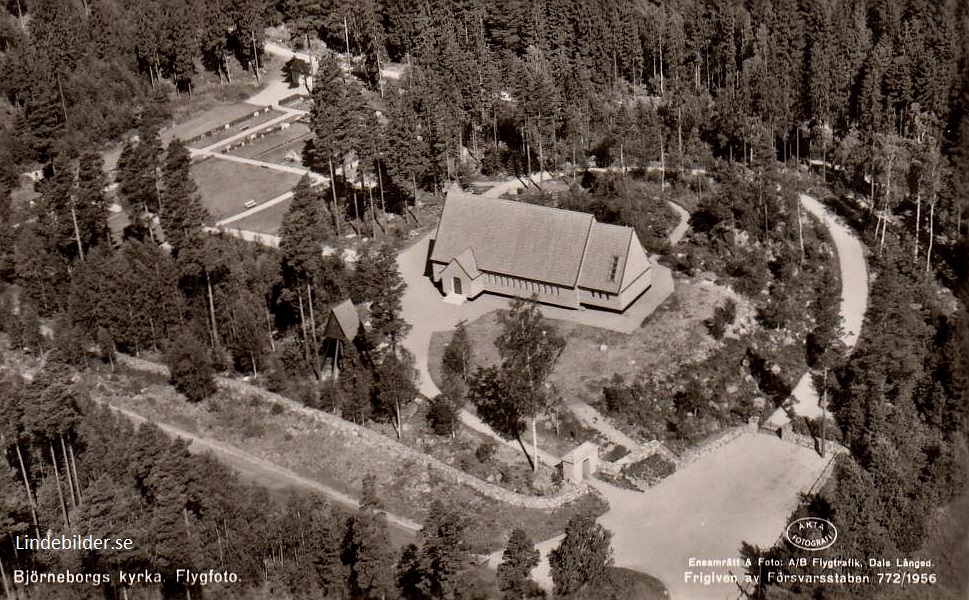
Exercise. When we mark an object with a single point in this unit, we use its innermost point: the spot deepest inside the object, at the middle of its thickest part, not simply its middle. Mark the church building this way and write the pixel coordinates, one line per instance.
(562, 257)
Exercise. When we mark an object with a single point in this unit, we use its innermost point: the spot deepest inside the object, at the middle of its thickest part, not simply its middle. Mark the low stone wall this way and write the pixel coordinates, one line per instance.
(380, 443)
(718, 441)
(641, 453)
(657, 447)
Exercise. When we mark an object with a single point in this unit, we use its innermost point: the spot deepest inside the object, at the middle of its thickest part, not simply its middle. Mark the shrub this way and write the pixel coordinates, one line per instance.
(651, 469)
(442, 415)
(617, 452)
(486, 451)
(723, 317)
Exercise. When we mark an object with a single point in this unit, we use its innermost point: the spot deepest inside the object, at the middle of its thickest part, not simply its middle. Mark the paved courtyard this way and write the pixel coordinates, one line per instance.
(743, 491)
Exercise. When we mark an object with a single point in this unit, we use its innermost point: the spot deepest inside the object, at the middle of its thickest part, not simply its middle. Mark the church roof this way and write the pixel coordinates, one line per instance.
(468, 262)
(605, 258)
(528, 241)
(514, 238)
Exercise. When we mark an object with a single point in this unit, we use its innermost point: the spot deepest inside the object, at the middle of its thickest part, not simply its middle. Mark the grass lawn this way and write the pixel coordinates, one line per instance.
(264, 221)
(260, 147)
(25, 194)
(226, 186)
(278, 154)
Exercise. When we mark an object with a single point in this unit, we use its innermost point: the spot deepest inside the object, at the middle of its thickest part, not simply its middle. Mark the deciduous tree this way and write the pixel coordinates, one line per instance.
(458, 354)
(529, 347)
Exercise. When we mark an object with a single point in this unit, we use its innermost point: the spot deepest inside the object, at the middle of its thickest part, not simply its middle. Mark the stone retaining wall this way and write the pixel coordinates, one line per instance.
(657, 447)
(643, 452)
(718, 441)
(383, 444)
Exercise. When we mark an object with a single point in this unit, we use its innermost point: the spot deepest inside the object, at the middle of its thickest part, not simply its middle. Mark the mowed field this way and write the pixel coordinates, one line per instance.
(264, 221)
(226, 186)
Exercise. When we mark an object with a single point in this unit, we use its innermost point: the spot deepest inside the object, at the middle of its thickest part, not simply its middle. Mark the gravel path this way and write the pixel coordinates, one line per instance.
(680, 230)
(854, 303)
(854, 271)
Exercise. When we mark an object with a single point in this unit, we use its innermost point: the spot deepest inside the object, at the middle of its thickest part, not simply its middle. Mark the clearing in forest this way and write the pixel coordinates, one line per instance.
(226, 186)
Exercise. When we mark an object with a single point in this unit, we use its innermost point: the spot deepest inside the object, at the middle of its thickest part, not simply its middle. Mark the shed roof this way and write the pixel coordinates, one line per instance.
(514, 238)
(343, 322)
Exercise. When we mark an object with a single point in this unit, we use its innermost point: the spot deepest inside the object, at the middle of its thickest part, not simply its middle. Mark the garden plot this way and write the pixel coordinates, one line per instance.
(226, 187)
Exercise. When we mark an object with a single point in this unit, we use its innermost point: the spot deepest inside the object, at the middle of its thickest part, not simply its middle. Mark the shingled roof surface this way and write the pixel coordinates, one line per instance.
(514, 238)
(468, 262)
(606, 243)
(344, 322)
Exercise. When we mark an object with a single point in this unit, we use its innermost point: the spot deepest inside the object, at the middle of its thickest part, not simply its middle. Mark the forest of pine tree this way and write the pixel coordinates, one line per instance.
(874, 93)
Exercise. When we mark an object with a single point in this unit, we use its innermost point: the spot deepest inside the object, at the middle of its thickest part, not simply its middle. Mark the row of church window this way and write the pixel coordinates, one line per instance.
(523, 284)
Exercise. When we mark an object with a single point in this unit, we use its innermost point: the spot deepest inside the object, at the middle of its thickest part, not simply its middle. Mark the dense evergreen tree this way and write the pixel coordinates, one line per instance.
(91, 205)
(581, 559)
(137, 176)
(304, 270)
(514, 571)
(394, 387)
(444, 557)
(366, 549)
(191, 368)
(379, 282)
(181, 212)
(443, 414)
(336, 119)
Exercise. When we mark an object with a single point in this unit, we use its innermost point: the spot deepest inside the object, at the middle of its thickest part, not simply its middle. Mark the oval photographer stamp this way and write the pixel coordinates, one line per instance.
(811, 533)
